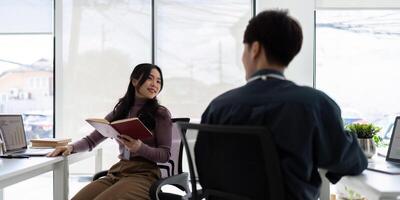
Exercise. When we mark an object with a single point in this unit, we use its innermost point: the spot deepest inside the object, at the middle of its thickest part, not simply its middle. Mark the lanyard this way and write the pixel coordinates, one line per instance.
(265, 77)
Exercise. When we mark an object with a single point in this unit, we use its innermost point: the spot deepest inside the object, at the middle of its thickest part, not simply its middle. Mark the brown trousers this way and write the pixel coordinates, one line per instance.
(127, 179)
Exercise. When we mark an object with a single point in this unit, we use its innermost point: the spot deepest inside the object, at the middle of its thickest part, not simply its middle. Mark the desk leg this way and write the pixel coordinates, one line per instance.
(98, 160)
(60, 180)
(325, 187)
(1, 194)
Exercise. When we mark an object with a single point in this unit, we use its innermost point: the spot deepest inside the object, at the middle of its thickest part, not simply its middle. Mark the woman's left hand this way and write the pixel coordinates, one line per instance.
(132, 144)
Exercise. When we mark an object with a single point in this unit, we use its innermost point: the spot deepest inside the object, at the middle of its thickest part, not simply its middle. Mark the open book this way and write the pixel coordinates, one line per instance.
(131, 126)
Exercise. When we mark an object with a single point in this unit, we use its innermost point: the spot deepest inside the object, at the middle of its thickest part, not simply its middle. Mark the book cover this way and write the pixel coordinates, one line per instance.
(132, 127)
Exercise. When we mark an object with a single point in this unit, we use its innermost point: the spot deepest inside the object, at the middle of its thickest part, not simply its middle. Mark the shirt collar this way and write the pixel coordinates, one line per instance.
(264, 74)
(266, 71)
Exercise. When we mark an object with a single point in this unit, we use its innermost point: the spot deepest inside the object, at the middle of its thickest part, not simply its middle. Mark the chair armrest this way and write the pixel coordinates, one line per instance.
(165, 167)
(99, 175)
(180, 181)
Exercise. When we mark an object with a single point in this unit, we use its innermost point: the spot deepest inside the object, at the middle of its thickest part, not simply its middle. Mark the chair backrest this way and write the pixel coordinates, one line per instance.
(233, 162)
(174, 165)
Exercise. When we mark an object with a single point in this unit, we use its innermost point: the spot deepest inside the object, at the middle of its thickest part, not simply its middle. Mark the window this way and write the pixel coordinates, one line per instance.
(199, 47)
(26, 56)
(357, 63)
(102, 42)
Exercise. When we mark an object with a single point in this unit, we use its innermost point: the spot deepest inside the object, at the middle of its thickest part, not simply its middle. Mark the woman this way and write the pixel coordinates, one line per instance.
(136, 171)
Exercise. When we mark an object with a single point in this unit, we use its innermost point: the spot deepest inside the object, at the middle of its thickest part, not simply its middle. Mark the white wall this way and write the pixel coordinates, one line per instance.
(58, 68)
(301, 68)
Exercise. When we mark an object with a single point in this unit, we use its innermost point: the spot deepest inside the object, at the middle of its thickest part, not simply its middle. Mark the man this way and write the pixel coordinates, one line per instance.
(305, 123)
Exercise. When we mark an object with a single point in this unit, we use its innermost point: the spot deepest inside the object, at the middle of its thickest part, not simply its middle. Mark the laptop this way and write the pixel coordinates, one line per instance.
(392, 164)
(13, 135)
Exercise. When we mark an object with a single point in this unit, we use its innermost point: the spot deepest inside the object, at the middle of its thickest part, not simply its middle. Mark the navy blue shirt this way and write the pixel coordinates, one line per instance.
(306, 126)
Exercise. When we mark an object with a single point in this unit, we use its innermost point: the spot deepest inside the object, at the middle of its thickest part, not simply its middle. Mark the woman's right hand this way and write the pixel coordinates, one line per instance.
(61, 150)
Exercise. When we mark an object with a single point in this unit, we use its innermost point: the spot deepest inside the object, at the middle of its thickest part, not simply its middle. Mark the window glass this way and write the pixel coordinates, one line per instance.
(199, 47)
(357, 64)
(26, 56)
(102, 42)
(26, 16)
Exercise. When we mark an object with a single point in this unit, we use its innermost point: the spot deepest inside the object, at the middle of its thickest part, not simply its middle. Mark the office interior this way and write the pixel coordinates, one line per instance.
(62, 61)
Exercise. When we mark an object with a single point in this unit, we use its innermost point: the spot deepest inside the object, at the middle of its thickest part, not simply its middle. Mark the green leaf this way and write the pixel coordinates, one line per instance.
(363, 130)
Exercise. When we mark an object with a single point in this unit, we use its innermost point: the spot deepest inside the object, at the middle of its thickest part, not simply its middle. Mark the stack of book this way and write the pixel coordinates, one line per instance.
(50, 142)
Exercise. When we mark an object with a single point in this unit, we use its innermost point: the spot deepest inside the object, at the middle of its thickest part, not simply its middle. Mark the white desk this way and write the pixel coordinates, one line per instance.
(15, 170)
(372, 185)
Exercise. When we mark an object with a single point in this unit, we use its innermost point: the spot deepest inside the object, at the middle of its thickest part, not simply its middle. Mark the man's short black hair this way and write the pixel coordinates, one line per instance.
(280, 35)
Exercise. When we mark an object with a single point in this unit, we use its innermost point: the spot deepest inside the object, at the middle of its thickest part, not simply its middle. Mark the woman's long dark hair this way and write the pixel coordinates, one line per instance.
(149, 109)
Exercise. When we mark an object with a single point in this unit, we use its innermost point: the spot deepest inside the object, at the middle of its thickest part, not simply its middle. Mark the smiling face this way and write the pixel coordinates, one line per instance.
(150, 87)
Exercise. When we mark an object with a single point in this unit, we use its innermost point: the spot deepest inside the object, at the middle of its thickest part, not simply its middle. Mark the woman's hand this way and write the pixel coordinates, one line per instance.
(132, 144)
(61, 150)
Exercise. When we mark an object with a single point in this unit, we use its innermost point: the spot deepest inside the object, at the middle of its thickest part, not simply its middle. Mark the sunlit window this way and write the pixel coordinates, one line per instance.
(357, 63)
(102, 42)
(26, 64)
(199, 47)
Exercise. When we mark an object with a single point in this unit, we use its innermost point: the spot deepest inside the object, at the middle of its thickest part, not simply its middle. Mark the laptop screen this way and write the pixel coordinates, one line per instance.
(394, 146)
(12, 132)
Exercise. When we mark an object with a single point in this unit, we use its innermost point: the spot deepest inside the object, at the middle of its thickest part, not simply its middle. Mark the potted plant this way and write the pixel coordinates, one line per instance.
(365, 134)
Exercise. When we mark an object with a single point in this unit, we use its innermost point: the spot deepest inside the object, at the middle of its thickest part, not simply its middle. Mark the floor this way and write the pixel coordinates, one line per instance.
(41, 187)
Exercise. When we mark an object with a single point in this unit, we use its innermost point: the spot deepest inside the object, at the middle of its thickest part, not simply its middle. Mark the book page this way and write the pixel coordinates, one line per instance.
(104, 121)
(105, 129)
(51, 140)
(124, 120)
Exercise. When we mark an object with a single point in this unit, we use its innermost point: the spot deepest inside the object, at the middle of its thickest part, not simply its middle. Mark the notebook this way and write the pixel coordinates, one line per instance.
(392, 164)
(12, 133)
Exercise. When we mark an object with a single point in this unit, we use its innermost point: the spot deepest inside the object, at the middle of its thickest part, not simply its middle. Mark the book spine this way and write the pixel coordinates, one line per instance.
(52, 145)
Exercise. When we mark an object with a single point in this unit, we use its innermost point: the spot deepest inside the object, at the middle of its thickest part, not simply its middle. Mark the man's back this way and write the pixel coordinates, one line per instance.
(306, 127)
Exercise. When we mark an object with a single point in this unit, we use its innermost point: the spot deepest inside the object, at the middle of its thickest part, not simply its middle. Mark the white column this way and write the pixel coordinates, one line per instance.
(300, 70)
(58, 32)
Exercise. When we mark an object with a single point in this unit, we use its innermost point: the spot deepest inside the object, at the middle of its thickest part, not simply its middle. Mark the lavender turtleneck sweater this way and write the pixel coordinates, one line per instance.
(156, 148)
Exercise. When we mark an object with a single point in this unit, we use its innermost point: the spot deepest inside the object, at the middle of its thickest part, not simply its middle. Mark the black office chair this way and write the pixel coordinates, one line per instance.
(173, 166)
(179, 178)
(233, 162)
